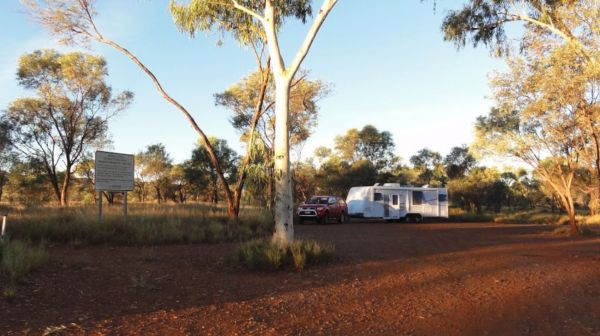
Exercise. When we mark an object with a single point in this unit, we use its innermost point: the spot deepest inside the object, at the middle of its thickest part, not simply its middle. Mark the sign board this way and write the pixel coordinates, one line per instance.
(114, 171)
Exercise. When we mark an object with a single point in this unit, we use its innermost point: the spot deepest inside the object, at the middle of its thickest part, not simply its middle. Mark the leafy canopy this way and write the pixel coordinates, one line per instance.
(221, 16)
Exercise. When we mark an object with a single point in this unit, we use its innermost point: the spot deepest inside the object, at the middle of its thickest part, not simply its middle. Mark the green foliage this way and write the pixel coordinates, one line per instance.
(480, 187)
(429, 166)
(267, 256)
(17, 259)
(222, 16)
(483, 21)
(201, 174)
(458, 162)
(367, 144)
(241, 99)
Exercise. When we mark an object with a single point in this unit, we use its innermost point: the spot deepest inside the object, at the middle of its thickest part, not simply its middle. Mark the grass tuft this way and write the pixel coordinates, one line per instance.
(267, 256)
(17, 259)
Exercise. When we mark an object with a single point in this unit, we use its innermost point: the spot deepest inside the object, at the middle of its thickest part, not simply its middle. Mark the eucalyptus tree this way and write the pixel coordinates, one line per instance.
(68, 115)
(264, 18)
(538, 120)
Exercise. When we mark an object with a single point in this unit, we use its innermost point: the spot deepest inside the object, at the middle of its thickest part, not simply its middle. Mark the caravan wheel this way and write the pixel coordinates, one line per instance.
(418, 219)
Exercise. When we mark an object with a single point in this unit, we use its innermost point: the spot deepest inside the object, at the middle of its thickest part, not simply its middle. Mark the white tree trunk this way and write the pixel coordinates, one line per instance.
(284, 212)
(284, 203)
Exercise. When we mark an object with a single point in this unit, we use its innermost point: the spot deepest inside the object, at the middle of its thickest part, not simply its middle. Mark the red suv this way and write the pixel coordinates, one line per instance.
(324, 208)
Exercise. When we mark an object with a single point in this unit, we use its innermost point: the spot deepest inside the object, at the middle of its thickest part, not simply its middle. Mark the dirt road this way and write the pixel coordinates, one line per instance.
(389, 279)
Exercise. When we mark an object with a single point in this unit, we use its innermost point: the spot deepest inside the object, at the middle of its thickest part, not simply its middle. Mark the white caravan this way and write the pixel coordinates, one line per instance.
(393, 201)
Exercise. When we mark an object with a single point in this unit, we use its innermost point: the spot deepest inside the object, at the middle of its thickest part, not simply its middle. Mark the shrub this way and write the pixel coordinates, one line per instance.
(459, 215)
(265, 255)
(18, 259)
(532, 217)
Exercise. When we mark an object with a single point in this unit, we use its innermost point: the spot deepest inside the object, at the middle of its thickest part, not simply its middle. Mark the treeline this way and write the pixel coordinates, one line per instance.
(358, 157)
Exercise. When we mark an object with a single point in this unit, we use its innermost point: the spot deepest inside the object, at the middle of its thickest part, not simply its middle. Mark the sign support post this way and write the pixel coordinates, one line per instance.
(125, 206)
(100, 206)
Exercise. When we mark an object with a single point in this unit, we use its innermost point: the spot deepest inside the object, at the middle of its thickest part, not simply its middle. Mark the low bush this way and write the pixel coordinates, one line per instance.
(566, 231)
(532, 217)
(17, 259)
(460, 215)
(591, 220)
(267, 256)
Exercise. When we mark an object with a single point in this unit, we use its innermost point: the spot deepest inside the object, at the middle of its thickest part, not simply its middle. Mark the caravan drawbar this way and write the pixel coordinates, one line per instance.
(392, 201)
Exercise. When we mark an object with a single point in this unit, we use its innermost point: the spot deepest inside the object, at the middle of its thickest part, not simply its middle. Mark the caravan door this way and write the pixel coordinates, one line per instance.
(397, 202)
(393, 206)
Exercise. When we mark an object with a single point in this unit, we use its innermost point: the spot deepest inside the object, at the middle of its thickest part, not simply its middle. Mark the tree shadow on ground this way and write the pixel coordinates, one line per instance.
(89, 285)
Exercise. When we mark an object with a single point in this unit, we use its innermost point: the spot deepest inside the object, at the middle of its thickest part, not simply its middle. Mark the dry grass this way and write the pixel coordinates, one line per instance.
(146, 224)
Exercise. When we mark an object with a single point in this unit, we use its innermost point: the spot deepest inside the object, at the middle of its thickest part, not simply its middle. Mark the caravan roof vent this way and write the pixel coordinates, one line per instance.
(376, 184)
(391, 185)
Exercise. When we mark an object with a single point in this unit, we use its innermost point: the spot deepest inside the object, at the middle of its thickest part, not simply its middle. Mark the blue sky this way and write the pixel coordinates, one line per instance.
(387, 62)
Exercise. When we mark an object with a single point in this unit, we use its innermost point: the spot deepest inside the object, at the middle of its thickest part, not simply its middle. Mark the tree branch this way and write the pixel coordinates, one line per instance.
(310, 36)
(248, 11)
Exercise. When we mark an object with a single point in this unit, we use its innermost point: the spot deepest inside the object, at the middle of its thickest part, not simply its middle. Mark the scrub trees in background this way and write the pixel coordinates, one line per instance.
(429, 166)
(153, 168)
(366, 144)
(200, 172)
(67, 116)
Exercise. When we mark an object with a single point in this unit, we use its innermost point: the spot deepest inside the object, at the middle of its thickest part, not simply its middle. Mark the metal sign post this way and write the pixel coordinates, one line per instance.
(3, 227)
(100, 206)
(125, 206)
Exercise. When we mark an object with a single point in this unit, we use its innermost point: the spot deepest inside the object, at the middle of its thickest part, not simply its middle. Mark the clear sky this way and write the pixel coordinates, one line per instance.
(386, 60)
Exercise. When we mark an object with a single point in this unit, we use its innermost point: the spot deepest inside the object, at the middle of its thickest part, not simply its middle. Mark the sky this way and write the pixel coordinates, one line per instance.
(386, 61)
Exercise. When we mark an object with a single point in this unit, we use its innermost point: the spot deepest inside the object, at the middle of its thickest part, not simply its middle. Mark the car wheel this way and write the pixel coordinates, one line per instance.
(342, 218)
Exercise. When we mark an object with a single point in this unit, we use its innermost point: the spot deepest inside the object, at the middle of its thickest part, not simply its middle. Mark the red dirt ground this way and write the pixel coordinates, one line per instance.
(388, 279)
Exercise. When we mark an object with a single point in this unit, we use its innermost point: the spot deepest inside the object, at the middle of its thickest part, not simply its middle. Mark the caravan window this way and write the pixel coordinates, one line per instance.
(377, 197)
(417, 198)
(394, 199)
(443, 198)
